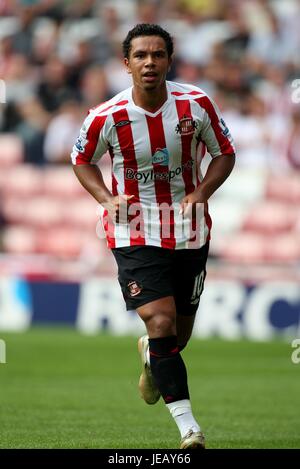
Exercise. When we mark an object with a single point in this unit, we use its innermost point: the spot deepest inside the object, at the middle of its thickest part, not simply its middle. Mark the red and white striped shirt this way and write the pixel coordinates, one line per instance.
(155, 157)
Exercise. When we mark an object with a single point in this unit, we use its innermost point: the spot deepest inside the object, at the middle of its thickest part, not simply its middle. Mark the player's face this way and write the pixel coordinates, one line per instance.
(148, 62)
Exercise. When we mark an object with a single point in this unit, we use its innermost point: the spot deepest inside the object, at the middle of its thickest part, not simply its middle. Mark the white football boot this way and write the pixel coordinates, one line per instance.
(193, 440)
(147, 387)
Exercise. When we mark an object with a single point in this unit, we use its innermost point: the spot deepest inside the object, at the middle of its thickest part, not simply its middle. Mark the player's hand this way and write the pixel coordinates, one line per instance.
(188, 204)
(117, 208)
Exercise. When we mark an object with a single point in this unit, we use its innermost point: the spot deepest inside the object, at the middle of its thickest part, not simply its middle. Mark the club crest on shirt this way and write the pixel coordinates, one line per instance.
(133, 288)
(161, 157)
(186, 126)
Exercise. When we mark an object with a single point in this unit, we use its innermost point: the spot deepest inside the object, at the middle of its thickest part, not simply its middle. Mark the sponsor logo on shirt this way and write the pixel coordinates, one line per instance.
(186, 126)
(145, 176)
(161, 157)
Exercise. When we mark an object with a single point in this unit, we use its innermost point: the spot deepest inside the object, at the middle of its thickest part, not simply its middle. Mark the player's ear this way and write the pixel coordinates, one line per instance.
(127, 66)
(170, 62)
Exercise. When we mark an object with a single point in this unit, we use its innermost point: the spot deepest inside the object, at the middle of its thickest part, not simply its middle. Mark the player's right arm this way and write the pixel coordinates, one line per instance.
(87, 151)
(91, 179)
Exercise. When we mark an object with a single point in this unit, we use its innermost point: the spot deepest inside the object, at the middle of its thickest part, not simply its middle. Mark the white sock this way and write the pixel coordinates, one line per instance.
(181, 411)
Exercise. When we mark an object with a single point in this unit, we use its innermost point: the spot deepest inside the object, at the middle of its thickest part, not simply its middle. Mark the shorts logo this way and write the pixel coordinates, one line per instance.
(134, 288)
(186, 126)
(161, 157)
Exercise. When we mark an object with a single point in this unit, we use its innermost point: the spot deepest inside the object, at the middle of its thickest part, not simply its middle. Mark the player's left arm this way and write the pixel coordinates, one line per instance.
(216, 136)
(217, 172)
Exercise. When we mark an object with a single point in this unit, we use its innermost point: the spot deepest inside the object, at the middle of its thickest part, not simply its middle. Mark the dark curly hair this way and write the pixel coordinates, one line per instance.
(146, 29)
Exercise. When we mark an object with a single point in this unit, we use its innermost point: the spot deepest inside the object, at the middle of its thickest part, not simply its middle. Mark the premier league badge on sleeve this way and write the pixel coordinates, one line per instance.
(225, 130)
(81, 143)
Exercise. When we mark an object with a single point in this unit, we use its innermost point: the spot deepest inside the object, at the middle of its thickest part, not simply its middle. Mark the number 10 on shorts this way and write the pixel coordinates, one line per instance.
(198, 288)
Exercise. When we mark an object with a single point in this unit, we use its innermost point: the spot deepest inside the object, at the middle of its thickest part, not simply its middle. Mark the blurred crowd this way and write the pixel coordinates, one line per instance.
(60, 58)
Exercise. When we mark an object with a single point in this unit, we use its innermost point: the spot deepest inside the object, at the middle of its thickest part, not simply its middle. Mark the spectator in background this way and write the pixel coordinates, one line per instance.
(20, 79)
(94, 86)
(147, 11)
(236, 44)
(53, 89)
(189, 72)
(81, 63)
(7, 7)
(23, 38)
(79, 9)
(20, 82)
(272, 46)
(44, 44)
(102, 43)
(114, 67)
(62, 131)
(6, 54)
(51, 49)
(32, 128)
(250, 130)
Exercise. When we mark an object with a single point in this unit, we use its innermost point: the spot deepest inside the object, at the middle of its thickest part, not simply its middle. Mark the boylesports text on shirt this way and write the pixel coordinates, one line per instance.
(152, 175)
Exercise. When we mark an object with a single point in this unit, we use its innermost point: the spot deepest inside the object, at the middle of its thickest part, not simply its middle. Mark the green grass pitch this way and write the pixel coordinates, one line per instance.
(60, 389)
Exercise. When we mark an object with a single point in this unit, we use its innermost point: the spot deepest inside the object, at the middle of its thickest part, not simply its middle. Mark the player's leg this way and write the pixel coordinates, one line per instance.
(168, 368)
(145, 278)
(188, 280)
(190, 430)
(184, 328)
(159, 318)
(146, 281)
(188, 284)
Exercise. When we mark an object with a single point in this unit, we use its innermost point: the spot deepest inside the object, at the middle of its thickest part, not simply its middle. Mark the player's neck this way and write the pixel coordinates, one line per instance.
(150, 100)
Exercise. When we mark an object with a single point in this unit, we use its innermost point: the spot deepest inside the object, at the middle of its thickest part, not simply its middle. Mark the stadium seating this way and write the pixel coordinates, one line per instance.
(60, 181)
(47, 71)
(285, 188)
(11, 150)
(82, 212)
(22, 181)
(256, 216)
(270, 217)
(284, 249)
(19, 240)
(244, 248)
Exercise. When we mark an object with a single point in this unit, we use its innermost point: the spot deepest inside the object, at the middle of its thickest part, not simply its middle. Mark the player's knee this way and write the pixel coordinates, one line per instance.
(161, 325)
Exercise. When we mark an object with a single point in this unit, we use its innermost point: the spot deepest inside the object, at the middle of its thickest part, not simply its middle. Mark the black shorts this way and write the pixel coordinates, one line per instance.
(147, 273)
